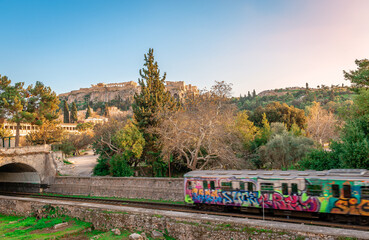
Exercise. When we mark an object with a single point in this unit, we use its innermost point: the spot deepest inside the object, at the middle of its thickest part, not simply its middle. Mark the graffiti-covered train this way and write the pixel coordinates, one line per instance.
(337, 194)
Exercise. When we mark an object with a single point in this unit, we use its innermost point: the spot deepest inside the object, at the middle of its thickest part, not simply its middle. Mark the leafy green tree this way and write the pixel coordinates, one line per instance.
(245, 128)
(360, 76)
(34, 104)
(42, 103)
(13, 105)
(149, 105)
(73, 113)
(277, 112)
(284, 150)
(319, 160)
(131, 142)
(66, 112)
(88, 112)
(120, 167)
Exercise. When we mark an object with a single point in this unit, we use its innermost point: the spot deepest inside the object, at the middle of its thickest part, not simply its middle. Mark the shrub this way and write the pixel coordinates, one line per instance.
(119, 166)
(102, 167)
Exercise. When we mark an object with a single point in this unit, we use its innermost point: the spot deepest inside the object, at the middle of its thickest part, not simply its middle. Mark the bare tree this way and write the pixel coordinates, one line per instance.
(200, 133)
(321, 124)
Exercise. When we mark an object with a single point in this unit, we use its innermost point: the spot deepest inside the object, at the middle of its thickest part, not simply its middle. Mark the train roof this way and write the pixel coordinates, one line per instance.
(337, 173)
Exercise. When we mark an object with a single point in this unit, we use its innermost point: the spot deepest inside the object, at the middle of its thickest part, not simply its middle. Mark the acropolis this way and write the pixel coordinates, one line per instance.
(105, 92)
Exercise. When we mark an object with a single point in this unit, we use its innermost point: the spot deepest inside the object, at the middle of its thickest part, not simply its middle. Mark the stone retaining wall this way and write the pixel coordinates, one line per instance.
(179, 225)
(124, 187)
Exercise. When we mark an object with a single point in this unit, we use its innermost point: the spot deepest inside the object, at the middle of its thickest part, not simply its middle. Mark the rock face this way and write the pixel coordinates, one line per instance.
(102, 92)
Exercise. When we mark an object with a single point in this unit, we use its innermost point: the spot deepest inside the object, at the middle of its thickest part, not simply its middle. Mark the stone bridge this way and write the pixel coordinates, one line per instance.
(26, 168)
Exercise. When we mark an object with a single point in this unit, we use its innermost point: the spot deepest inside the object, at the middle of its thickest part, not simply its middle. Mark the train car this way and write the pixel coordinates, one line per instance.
(337, 194)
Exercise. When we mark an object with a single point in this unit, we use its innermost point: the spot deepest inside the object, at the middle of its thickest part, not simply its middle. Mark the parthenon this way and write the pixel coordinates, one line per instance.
(105, 92)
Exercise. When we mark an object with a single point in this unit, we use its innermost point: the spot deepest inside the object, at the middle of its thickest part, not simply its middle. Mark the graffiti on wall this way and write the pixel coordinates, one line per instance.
(351, 206)
(240, 198)
(206, 196)
(276, 200)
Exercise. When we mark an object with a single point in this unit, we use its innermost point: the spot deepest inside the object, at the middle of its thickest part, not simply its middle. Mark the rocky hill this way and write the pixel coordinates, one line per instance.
(117, 93)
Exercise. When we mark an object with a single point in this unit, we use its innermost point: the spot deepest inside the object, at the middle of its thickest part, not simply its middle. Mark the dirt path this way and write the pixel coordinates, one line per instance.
(81, 165)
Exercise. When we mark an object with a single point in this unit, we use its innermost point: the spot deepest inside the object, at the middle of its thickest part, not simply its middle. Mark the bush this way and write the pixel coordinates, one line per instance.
(119, 166)
(102, 167)
(319, 159)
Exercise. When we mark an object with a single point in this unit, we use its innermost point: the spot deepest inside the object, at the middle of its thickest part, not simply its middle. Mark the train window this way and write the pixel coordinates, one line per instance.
(205, 184)
(294, 188)
(242, 186)
(284, 188)
(226, 185)
(347, 191)
(314, 190)
(189, 186)
(335, 190)
(236, 185)
(250, 187)
(364, 192)
(267, 187)
(212, 185)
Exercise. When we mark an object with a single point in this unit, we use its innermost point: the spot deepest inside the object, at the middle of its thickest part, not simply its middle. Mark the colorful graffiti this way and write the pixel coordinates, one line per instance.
(351, 206)
(240, 198)
(206, 196)
(324, 203)
(294, 202)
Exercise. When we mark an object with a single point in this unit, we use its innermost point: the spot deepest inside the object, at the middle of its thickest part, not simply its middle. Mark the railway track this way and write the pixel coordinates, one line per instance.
(188, 209)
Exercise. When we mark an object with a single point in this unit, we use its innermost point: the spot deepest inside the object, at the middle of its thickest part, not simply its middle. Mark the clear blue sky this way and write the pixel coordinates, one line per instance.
(69, 44)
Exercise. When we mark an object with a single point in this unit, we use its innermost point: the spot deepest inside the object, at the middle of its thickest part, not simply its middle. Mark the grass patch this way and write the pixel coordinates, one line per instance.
(114, 212)
(115, 198)
(66, 162)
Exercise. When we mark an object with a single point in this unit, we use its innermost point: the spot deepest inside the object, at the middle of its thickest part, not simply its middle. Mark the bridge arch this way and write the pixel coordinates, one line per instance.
(30, 167)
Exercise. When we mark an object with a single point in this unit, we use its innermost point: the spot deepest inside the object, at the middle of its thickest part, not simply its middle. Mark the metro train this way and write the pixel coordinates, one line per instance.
(340, 195)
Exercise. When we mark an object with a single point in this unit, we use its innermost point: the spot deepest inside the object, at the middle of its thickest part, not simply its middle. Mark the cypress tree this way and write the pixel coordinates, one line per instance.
(73, 114)
(150, 102)
(106, 110)
(254, 93)
(66, 112)
(88, 112)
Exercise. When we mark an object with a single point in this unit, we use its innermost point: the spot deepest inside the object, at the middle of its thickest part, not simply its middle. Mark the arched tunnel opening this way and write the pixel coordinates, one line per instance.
(19, 177)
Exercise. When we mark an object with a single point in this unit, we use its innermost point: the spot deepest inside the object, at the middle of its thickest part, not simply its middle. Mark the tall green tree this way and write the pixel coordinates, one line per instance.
(42, 103)
(88, 112)
(73, 113)
(360, 76)
(66, 112)
(34, 104)
(149, 105)
(13, 104)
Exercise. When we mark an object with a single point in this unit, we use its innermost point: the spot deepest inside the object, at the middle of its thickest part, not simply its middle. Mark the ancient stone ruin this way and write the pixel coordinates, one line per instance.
(103, 92)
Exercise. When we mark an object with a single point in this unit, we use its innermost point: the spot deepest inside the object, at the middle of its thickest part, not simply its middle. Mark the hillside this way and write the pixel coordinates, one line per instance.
(119, 95)
(332, 98)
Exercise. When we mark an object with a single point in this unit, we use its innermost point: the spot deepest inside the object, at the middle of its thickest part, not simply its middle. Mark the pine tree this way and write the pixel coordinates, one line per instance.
(35, 104)
(249, 95)
(66, 112)
(73, 113)
(254, 93)
(88, 112)
(150, 103)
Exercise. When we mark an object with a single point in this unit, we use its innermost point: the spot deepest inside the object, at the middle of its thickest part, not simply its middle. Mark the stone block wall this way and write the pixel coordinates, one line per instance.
(179, 225)
(124, 187)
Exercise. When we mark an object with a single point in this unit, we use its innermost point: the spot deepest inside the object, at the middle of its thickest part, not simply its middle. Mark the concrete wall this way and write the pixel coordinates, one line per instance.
(146, 188)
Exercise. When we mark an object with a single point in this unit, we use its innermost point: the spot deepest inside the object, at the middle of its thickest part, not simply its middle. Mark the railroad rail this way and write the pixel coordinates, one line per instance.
(188, 209)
